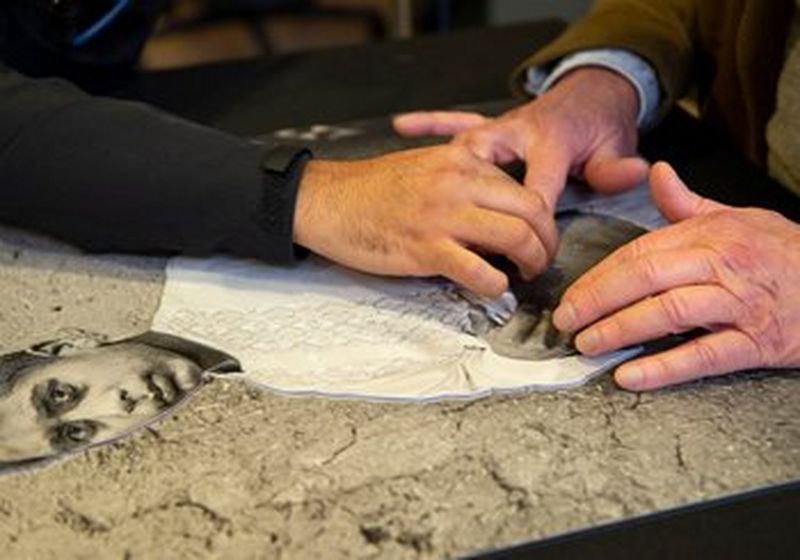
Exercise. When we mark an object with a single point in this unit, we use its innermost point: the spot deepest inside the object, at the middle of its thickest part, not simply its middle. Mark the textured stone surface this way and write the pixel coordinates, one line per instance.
(238, 473)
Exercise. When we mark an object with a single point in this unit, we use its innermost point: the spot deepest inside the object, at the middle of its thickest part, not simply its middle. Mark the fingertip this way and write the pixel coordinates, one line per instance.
(494, 285)
(529, 271)
(409, 123)
(663, 177)
(640, 168)
(616, 174)
(487, 281)
(663, 167)
(589, 342)
(631, 377)
(473, 272)
(565, 318)
(670, 195)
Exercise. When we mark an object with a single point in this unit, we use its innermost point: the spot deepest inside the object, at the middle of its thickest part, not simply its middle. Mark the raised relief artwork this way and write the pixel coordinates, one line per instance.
(314, 329)
(81, 390)
(320, 329)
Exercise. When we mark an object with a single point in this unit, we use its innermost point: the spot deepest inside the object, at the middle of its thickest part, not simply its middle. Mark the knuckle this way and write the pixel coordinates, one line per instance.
(730, 223)
(656, 371)
(547, 181)
(761, 320)
(739, 257)
(456, 157)
(478, 143)
(675, 310)
(708, 262)
(636, 249)
(755, 215)
(519, 236)
(731, 259)
(588, 303)
(648, 271)
(770, 215)
(611, 331)
(707, 356)
(534, 206)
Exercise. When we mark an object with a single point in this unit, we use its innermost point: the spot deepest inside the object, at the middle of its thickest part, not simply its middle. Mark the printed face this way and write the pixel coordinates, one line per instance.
(586, 239)
(90, 397)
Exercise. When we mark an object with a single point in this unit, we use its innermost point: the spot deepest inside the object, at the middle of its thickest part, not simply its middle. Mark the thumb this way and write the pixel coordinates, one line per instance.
(608, 172)
(436, 123)
(674, 199)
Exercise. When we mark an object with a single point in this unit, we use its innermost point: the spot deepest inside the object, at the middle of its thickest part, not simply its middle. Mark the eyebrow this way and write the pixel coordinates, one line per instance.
(39, 392)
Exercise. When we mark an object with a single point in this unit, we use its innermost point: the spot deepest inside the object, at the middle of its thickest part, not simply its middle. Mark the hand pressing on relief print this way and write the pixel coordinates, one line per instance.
(425, 212)
(584, 125)
(731, 271)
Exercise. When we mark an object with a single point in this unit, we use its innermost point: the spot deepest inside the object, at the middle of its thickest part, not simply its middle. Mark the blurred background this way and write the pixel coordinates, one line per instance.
(206, 31)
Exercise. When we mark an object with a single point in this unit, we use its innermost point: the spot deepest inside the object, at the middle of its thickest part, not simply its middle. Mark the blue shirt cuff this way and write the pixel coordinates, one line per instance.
(632, 67)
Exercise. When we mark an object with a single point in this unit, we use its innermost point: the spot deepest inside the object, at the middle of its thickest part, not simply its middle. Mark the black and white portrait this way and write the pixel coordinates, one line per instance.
(585, 240)
(70, 394)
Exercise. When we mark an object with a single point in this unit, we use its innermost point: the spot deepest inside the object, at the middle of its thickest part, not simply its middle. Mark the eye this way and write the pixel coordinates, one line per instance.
(62, 394)
(61, 397)
(73, 434)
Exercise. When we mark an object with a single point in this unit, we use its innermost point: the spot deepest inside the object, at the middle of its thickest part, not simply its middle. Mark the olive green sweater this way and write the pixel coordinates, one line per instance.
(732, 50)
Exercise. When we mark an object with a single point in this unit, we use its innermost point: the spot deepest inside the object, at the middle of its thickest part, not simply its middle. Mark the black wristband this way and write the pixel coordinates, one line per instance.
(283, 158)
(282, 169)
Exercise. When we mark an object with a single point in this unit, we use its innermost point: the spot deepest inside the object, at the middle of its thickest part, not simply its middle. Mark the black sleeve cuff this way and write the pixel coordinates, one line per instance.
(282, 168)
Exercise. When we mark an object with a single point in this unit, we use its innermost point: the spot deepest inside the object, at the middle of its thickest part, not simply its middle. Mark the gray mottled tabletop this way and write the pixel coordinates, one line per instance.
(237, 473)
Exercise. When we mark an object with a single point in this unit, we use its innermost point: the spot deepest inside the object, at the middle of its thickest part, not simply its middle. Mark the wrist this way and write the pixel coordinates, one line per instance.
(603, 85)
(628, 64)
(316, 175)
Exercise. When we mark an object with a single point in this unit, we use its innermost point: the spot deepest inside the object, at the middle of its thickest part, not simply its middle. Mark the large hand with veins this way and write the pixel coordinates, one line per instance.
(425, 212)
(734, 272)
(584, 125)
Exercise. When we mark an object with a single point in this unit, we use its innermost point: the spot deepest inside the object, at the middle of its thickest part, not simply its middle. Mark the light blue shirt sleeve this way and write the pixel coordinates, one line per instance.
(637, 71)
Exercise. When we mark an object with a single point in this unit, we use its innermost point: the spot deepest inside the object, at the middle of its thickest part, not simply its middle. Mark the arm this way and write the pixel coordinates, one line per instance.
(638, 73)
(586, 123)
(116, 176)
(660, 32)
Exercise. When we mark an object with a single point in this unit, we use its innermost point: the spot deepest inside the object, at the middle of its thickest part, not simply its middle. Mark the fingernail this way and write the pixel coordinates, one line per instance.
(588, 341)
(630, 377)
(565, 318)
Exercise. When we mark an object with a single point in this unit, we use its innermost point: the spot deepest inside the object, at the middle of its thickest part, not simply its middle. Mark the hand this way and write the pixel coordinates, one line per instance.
(424, 212)
(585, 124)
(734, 272)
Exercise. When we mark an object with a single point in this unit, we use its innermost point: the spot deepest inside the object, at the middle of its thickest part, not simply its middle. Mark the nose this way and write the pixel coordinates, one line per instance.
(130, 401)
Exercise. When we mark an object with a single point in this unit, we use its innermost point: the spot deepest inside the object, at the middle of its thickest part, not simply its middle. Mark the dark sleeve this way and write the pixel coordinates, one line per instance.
(109, 175)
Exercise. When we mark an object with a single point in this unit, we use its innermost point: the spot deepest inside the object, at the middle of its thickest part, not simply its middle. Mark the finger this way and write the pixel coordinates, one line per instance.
(672, 312)
(592, 297)
(607, 172)
(712, 354)
(677, 237)
(548, 165)
(674, 199)
(438, 123)
(468, 269)
(497, 191)
(494, 143)
(505, 235)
